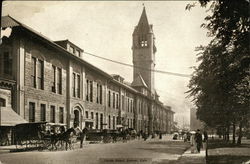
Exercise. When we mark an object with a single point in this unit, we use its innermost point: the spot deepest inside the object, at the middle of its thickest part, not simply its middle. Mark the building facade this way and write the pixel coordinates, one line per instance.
(50, 81)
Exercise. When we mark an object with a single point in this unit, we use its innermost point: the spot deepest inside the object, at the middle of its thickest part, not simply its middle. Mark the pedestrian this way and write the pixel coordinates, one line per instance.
(192, 142)
(185, 137)
(83, 135)
(198, 140)
(205, 139)
(160, 135)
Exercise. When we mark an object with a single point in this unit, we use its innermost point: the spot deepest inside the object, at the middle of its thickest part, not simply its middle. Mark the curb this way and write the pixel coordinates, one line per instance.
(4, 151)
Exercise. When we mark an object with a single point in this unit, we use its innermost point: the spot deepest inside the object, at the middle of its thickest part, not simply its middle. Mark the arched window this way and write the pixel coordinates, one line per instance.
(143, 41)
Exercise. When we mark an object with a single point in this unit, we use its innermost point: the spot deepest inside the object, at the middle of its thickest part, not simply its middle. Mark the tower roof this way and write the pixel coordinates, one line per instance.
(139, 82)
(143, 25)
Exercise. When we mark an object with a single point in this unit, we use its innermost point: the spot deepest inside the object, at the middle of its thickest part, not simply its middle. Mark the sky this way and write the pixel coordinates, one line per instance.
(104, 28)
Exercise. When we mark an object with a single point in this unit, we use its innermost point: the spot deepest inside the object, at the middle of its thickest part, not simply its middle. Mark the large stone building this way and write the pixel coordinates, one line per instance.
(50, 81)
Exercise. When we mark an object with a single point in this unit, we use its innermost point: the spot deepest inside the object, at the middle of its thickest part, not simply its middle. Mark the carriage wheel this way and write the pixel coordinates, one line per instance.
(46, 144)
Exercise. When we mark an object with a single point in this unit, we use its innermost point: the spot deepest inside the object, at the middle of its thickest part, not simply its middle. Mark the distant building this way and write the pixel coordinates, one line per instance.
(50, 81)
(194, 122)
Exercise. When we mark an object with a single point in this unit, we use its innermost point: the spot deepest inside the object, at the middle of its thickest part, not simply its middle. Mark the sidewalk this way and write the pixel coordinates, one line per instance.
(192, 158)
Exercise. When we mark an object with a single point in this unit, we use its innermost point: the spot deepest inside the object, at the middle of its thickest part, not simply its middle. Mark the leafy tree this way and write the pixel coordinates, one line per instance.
(220, 84)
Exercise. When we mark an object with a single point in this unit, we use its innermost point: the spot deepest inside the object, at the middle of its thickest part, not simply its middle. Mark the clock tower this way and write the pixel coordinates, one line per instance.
(144, 52)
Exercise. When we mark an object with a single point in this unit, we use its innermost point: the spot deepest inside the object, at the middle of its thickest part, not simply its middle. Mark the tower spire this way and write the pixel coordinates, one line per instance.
(144, 52)
(143, 22)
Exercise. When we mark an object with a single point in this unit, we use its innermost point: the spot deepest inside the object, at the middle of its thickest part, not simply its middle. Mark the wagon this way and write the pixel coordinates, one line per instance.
(38, 134)
(29, 134)
(94, 136)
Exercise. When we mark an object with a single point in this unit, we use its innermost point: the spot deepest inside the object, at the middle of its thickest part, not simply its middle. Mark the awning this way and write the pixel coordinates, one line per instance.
(9, 117)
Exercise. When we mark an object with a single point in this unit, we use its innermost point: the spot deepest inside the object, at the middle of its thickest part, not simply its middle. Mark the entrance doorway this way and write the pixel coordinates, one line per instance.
(76, 118)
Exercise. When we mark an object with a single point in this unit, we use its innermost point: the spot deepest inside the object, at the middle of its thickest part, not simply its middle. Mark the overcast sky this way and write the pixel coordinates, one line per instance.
(105, 28)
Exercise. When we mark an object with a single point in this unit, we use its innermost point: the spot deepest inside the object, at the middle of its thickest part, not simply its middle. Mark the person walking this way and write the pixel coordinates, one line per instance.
(205, 139)
(192, 142)
(160, 135)
(83, 136)
(198, 140)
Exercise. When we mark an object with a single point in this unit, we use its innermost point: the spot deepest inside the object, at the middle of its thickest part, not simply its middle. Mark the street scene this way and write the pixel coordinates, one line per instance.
(153, 151)
(115, 82)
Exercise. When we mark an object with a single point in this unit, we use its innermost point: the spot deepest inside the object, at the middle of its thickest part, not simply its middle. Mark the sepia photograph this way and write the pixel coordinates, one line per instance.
(125, 82)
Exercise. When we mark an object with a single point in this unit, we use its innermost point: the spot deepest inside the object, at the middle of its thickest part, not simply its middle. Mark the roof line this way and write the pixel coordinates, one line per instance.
(61, 48)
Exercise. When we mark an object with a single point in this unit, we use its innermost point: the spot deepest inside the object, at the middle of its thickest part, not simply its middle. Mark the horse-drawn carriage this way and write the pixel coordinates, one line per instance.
(29, 134)
(43, 135)
(108, 135)
(54, 136)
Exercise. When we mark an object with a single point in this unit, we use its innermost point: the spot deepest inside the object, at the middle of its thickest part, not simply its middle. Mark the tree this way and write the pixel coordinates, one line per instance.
(220, 84)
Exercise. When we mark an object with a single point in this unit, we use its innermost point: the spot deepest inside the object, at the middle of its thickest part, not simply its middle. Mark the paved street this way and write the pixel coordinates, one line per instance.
(152, 151)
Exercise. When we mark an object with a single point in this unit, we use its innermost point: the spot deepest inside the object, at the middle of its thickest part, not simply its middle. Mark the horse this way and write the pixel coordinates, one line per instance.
(66, 137)
(125, 135)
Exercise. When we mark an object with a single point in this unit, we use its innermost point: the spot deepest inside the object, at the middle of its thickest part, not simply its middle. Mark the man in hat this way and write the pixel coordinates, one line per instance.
(198, 140)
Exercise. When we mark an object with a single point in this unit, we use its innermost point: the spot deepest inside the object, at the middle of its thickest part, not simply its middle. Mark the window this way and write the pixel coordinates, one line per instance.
(113, 122)
(141, 107)
(40, 74)
(100, 94)
(87, 90)
(86, 114)
(128, 104)
(71, 49)
(32, 112)
(97, 93)
(59, 81)
(113, 100)
(91, 91)
(92, 115)
(78, 53)
(74, 85)
(61, 114)
(123, 102)
(101, 121)
(53, 88)
(78, 86)
(96, 123)
(7, 63)
(37, 73)
(109, 99)
(131, 106)
(143, 41)
(2, 102)
(52, 114)
(109, 121)
(43, 112)
(117, 101)
(33, 72)
(132, 124)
